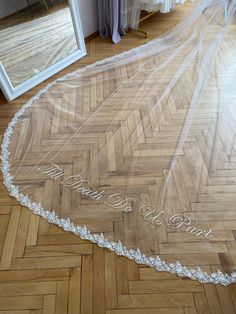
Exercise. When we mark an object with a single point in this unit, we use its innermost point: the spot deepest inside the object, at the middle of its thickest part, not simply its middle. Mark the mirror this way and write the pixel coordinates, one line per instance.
(37, 39)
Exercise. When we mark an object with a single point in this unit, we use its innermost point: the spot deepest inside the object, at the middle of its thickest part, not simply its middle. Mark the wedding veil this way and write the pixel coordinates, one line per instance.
(128, 152)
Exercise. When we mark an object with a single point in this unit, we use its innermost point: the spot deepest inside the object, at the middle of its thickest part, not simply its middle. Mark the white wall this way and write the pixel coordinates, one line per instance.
(89, 16)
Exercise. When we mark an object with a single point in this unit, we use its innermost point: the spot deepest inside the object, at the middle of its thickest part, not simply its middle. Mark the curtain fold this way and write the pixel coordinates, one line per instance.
(109, 19)
(115, 16)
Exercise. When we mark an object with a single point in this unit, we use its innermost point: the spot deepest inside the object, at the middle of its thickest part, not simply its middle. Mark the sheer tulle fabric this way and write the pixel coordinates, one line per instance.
(115, 146)
(130, 13)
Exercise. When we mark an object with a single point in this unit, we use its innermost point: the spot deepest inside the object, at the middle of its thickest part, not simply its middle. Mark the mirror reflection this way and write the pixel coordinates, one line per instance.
(34, 34)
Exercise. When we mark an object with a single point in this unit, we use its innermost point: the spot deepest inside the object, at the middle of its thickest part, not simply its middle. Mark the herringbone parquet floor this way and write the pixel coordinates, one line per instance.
(46, 270)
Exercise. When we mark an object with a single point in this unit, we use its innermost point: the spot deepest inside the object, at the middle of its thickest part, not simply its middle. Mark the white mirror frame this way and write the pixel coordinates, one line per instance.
(12, 92)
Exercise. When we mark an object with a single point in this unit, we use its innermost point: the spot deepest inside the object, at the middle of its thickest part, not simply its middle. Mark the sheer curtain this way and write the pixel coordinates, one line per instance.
(130, 13)
(115, 16)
